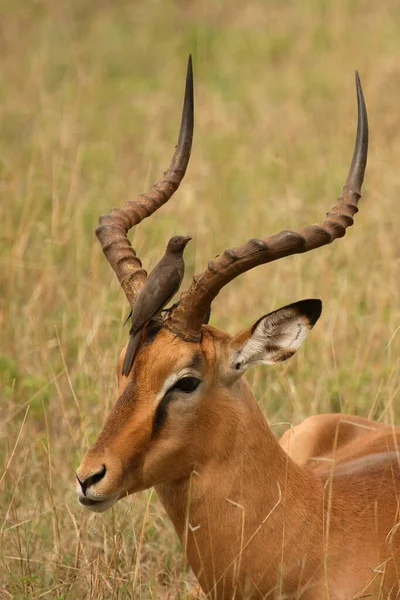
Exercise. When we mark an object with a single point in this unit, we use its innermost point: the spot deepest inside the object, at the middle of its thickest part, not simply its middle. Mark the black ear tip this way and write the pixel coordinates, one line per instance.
(311, 308)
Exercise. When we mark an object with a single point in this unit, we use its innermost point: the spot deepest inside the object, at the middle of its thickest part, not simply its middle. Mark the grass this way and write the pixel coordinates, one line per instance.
(90, 99)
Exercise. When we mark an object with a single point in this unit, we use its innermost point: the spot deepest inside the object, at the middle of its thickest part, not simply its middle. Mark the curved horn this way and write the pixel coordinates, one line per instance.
(113, 228)
(187, 318)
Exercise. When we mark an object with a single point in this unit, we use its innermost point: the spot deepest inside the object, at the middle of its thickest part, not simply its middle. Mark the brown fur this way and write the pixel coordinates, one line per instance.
(314, 516)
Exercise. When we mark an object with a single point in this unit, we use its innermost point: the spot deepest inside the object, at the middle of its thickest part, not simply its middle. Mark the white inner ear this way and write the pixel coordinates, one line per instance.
(275, 338)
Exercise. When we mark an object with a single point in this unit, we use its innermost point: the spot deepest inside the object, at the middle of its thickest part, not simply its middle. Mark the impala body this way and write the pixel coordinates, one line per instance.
(313, 516)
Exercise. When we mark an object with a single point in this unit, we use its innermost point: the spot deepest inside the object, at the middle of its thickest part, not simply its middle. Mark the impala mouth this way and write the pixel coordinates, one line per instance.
(98, 505)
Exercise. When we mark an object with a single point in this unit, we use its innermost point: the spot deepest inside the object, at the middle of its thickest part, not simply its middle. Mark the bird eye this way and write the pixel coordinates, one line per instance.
(187, 384)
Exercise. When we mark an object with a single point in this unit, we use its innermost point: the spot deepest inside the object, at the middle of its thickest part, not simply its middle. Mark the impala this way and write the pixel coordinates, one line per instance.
(314, 515)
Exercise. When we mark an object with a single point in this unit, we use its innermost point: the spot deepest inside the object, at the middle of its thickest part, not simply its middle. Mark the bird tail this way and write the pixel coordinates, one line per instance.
(130, 353)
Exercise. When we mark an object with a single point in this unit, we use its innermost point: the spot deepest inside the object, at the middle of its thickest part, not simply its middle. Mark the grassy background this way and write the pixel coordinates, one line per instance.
(90, 100)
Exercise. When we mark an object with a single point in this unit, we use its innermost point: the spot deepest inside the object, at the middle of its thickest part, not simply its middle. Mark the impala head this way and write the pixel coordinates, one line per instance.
(186, 374)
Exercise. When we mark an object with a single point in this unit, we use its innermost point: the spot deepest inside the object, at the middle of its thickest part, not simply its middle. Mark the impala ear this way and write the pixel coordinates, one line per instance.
(275, 337)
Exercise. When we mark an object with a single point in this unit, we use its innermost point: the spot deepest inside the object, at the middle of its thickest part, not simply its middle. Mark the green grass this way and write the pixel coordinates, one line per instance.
(90, 100)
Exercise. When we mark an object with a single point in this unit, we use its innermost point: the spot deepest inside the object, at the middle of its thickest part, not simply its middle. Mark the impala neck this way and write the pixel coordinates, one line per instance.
(246, 507)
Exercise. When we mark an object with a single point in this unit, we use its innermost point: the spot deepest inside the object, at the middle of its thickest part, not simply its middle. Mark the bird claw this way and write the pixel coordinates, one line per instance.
(168, 310)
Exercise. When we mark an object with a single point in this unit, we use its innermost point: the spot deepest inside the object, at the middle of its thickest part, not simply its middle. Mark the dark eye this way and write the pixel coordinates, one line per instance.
(187, 384)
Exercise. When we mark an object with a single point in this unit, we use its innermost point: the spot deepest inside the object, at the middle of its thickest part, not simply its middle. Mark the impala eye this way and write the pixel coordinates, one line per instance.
(187, 384)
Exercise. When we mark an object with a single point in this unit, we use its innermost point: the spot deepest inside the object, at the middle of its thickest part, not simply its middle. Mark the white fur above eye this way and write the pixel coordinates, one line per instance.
(172, 379)
(277, 336)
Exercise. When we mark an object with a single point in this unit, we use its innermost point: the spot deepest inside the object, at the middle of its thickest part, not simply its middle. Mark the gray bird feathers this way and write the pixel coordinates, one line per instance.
(160, 286)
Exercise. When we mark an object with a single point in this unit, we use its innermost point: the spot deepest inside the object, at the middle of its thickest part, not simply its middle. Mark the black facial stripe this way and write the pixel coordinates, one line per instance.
(160, 415)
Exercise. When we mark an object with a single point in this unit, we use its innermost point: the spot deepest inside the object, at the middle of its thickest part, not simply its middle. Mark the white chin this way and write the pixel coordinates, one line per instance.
(98, 506)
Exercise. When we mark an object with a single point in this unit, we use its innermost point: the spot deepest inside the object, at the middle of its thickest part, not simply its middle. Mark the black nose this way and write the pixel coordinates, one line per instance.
(92, 479)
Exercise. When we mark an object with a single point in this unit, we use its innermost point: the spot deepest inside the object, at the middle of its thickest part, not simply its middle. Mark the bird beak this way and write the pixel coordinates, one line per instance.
(187, 239)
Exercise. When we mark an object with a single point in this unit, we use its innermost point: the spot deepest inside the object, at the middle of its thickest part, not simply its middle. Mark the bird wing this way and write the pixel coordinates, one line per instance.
(130, 353)
(161, 285)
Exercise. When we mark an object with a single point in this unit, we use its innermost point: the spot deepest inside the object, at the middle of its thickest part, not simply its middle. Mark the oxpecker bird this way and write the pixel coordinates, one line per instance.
(160, 286)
